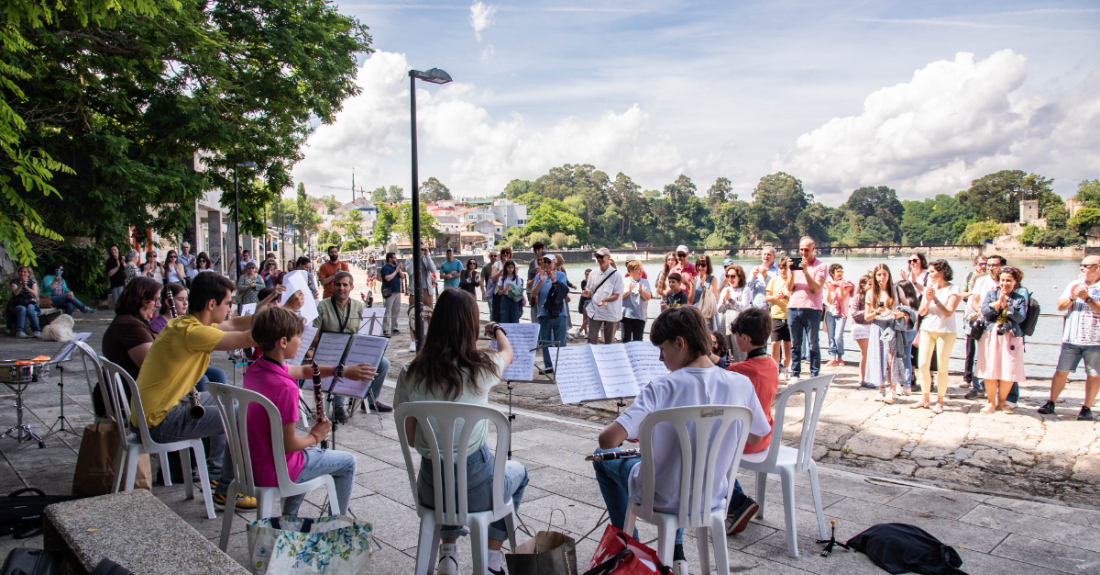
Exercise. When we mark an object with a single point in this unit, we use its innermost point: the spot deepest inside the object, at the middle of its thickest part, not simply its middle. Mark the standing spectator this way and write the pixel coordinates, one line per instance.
(270, 273)
(804, 308)
(291, 265)
(23, 310)
(969, 315)
(582, 306)
(982, 286)
(732, 300)
(1001, 349)
(538, 248)
(778, 296)
(132, 269)
(497, 270)
(686, 270)
(908, 304)
(1080, 338)
(152, 268)
(450, 270)
(372, 272)
(249, 285)
(61, 296)
(937, 331)
(662, 280)
(510, 289)
(246, 258)
(202, 264)
(881, 309)
(306, 265)
(487, 286)
(470, 278)
(606, 309)
(560, 266)
(173, 269)
(327, 272)
(706, 285)
(837, 292)
(550, 328)
(391, 294)
(116, 275)
(187, 260)
(636, 296)
(427, 268)
(861, 328)
(767, 262)
(919, 276)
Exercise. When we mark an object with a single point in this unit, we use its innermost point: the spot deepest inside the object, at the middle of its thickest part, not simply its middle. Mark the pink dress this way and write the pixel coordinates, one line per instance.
(1000, 356)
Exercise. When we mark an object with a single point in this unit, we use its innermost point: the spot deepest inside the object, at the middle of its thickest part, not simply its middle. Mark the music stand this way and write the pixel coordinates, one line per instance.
(542, 344)
(65, 354)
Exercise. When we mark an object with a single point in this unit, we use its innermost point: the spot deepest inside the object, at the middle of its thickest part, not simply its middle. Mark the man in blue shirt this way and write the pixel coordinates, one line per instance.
(450, 270)
(550, 328)
(391, 292)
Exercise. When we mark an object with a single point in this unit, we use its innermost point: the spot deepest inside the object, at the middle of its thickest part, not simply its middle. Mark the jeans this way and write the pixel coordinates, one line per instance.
(22, 316)
(907, 360)
(393, 310)
(213, 374)
(834, 327)
(179, 425)
(613, 477)
(479, 485)
(319, 462)
(510, 310)
(738, 498)
(67, 303)
(382, 368)
(805, 324)
(633, 329)
(494, 308)
(551, 329)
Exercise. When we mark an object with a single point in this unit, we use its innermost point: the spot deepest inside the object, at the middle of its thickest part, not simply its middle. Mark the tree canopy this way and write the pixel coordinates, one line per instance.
(433, 190)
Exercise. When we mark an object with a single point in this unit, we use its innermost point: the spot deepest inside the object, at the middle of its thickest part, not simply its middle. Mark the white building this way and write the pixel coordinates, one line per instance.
(488, 227)
(473, 215)
(509, 213)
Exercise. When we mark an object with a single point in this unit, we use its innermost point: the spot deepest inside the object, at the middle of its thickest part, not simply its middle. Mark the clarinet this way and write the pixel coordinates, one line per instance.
(623, 454)
(317, 399)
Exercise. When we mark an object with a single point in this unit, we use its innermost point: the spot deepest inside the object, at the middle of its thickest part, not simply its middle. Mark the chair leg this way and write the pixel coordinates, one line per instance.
(761, 490)
(165, 470)
(628, 523)
(120, 465)
(815, 488)
(788, 511)
(131, 469)
(185, 459)
(230, 511)
(479, 542)
(666, 542)
(702, 536)
(426, 546)
(721, 547)
(204, 478)
(510, 523)
(264, 506)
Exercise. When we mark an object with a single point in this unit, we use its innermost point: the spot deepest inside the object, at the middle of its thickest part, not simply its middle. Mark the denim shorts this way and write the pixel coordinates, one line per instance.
(1071, 355)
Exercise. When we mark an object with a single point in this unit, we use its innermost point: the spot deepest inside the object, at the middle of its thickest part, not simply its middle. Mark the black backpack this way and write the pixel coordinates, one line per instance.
(555, 299)
(1028, 325)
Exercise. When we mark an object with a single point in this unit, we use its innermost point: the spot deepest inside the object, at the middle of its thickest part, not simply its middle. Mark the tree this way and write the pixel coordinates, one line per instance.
(384, 225)
(933, 221)
(433, 190)
(1088, 193)
(560, 240)
(352, 224)
(550, 219)
(777, 200)
(395, 195)
(517, 188)
(720, 192)
(1086, 218)
(330, 203)
(680, 190)
(1027, 236)
(428, 227)
(880, 203)
(308, 220)
(997, 196)
(539, 237)
(378, 195)
(979, 232)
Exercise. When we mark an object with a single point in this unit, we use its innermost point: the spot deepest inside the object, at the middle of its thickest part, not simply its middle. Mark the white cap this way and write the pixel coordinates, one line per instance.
(603, 252)
(683, 249)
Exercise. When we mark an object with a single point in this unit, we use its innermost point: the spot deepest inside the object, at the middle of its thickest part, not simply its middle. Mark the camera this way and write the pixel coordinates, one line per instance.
(796, 264)
(1002, 328)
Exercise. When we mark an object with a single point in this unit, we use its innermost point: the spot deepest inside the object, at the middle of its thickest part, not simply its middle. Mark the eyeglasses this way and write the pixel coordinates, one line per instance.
(981, 265)
(1088, 266)
(731, 276)
(805, 249)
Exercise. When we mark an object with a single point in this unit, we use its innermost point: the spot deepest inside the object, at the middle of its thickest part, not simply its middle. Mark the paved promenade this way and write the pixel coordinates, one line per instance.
(880, 463)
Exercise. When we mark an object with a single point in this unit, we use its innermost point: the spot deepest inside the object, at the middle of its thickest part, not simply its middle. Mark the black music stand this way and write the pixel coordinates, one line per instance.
(542, 344)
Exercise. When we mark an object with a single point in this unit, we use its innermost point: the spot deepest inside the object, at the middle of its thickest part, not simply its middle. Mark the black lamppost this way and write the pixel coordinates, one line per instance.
(237, 218)
(435, 76)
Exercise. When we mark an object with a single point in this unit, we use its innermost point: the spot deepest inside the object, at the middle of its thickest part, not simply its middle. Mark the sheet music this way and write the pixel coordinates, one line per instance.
(298, 280)
(577, 376)
(645, 360)
(329, 351)
(616, 371)
(248, 309)
(67, 351)
(308, 334)
(524, 338)
(363, 349)
(370, 321)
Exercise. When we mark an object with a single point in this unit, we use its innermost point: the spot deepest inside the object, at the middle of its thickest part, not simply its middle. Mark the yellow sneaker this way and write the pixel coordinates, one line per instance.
(242, 502)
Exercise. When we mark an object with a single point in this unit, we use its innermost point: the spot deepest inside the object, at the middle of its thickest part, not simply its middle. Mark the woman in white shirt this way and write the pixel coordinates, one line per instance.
(173, 269)
(937, 331)
(734, 298)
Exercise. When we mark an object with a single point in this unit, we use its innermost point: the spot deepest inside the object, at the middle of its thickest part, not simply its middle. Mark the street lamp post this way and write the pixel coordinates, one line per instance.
(237, 218)
(435, 76)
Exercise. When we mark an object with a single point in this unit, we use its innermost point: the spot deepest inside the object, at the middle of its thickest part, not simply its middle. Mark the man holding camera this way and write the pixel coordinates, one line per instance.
(804, 313)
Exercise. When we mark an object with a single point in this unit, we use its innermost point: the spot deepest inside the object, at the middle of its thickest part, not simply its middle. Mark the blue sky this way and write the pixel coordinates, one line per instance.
(922, 97)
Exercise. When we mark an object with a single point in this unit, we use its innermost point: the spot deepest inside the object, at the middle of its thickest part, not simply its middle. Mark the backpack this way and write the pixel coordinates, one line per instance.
(1032, 318)
(555, 299)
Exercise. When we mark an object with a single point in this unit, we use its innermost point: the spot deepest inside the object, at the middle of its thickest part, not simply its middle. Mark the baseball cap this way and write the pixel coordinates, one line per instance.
(603, 252)
(683, 249)
(727, 262)
(548, 256)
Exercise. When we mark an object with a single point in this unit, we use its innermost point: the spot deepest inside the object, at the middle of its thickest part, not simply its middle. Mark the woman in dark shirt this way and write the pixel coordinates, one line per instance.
(470, 278)
(116, 273)
(128, 338)
(22, 311)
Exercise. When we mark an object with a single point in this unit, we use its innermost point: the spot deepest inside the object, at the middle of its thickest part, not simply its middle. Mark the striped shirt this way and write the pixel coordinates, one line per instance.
(1082, 325)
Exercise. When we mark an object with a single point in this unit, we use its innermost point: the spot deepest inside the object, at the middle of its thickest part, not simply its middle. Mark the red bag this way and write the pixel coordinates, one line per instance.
(620, 554)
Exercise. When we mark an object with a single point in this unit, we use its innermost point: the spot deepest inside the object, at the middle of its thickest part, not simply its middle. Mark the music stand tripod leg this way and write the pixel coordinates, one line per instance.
(61, 419)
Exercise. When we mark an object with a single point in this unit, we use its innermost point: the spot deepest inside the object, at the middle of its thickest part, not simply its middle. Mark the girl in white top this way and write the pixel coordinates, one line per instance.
(734, 298)
(937, 331)
(173, 268)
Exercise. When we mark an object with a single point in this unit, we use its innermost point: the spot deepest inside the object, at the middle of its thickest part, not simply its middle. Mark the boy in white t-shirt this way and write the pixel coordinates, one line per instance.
(682, 335)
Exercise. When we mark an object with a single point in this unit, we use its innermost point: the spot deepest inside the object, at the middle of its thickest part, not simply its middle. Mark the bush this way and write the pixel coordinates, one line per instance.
(539, 237)
(1028, 236)
(559, 240)
(1086, 218)
(978, 232)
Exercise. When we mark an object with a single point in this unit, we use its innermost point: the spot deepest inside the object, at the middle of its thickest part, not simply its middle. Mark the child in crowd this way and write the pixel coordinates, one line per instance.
(278, 335)
(675, 296)
(682, 335)
(751, 330)
(778, 296)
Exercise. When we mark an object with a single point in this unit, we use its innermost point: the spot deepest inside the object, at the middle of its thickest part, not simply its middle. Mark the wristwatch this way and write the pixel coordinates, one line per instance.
(1088, 299)
(496, 327)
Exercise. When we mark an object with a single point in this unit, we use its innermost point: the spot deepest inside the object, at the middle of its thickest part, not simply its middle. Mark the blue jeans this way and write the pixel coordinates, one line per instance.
(479, 485)
(21, 315)
(510, 310)
(179, 425)
(66, 303)
(907, 360)
(613, 477)
(339, 464)
(738, 498)
(805, 324)
(551, 329)
(834, 327)
(375, 387)
(213, 374)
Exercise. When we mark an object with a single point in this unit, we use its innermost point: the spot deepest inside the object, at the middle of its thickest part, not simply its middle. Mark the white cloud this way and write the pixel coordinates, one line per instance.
(463, 146)
(953, 122)
(481, 16)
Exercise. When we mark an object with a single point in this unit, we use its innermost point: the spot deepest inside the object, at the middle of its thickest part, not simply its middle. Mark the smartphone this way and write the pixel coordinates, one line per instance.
(796, 263)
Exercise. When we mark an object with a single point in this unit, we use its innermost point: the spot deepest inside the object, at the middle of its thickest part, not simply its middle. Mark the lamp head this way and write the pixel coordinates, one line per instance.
(435, 76)
(246, 165)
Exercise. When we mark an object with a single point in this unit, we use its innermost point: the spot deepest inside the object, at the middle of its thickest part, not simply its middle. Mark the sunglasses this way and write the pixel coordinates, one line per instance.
(681, 255)
(731, 276)
(1088, 266)
(914, 261)
(981, 265)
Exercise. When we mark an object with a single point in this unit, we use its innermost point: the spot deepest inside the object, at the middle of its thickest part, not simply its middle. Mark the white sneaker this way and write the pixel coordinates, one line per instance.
(448, 559)
(497, 558)
(412, 347)
(783, 375)
(793, 380)
(889, 395)
(680, 567)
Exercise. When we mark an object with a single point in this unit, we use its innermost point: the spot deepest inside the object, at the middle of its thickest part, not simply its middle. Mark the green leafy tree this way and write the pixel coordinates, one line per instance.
(1086, 218)
(516, 188)
(1088, 193)
(330, 203)
(384, 225)
(979, 232)
(378, 194)
(933, 221)
(559, 240)
(539, 237)
(352, 224)
(680, 190)
(777, 200)
(308, 220)
(395, 194)
(433, 190)
(997, 196)
(428, 227)
(550, 219)
(1027, 236)
(720, 192)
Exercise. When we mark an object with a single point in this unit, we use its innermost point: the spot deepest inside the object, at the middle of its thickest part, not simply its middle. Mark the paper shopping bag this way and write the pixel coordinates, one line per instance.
(547, 553)
(96, 460)
(620, 554)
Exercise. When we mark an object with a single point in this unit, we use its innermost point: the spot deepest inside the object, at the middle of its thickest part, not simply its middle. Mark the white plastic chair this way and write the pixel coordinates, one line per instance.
(698, 462)
(135, 444)
(788, 461)
(235, 420)
(88, 356)
(449, 477)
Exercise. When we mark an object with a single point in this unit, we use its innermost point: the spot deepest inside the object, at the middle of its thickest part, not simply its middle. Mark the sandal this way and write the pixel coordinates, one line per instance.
(919, 405)
(989, 408)
(937, 407)
(1007, 409)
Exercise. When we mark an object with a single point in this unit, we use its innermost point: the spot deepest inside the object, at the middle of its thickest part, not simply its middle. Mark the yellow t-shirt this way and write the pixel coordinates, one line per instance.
(776, 286)
(176, 361)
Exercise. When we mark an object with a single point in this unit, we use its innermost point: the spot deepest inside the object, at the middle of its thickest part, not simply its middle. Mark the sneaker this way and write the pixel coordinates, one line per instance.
(793, 380)
(89, 310)
(972, 394)
(497, 558)
(738, 520)
(412, 347)
(340, 414)
(783, 375)
(242, 502)
(381, 407)
(889, 395)
(21, 335)
(448, 559)
(396, 332)
(1047, 408)
(1085, 415)
(36, 334)
(679, 561)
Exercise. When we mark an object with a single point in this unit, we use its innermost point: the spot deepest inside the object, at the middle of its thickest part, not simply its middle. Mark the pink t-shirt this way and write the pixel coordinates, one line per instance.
(801, 297)
(273, 382)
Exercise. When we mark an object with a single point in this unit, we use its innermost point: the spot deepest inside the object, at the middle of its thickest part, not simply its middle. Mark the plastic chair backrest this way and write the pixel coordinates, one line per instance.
(235, 420)
(449, 471)
(698, 459)
(88, 354)
(815, 389)
(115, 397)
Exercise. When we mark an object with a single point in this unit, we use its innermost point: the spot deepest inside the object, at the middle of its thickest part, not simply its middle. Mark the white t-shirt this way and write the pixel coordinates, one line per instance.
(684, 387)
(1082, 325)
(982, 286)
(612, 310)
(936, 321)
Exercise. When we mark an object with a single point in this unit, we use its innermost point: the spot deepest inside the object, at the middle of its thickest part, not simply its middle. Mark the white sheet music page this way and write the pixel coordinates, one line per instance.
(363, 349)
(298, 280)
(577, 376)
(615, 370)
(524, 338)
(248, 309)
(308, 334)
(330, 350)
(67, 351)
(370, 321)
(645, 360)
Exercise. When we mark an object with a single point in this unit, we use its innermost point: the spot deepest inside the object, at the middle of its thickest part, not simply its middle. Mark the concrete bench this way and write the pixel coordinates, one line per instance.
(133, 529)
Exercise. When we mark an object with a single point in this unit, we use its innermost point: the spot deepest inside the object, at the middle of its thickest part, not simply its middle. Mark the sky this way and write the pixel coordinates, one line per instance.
(923, 97)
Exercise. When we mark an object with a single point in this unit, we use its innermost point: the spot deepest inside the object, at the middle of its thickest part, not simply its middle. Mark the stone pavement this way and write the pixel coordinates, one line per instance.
(870, 473)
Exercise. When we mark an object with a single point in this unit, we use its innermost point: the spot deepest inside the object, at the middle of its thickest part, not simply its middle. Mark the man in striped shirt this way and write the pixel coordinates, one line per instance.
(1080, 337)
